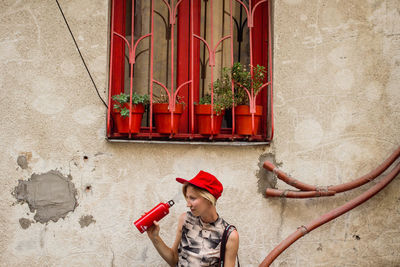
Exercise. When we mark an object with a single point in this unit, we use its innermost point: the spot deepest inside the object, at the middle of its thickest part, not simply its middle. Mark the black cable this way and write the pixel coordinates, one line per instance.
(83, 60)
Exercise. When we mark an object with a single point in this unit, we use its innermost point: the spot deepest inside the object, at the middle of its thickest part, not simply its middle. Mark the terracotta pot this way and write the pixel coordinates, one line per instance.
(122, 123)
(162, 118)
(203, 119)
(243, 123)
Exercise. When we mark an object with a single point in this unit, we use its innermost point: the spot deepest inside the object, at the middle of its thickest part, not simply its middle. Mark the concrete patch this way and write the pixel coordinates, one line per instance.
(265, 178)
(50, 194)
(84, 221)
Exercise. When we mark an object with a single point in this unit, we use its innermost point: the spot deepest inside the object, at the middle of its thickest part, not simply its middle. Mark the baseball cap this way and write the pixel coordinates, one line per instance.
(205, 181)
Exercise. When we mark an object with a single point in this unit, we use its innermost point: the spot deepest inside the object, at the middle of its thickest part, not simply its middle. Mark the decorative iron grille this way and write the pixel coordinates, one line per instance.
(186, 65)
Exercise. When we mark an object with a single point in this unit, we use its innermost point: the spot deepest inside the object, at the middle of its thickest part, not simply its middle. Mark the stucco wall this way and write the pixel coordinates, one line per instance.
(337, 76)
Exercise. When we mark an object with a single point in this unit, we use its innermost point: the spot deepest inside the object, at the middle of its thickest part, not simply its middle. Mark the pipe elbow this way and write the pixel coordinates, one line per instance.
(269, 166)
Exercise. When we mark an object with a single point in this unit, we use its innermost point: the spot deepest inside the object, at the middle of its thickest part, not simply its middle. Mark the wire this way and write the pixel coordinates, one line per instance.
(79, 51)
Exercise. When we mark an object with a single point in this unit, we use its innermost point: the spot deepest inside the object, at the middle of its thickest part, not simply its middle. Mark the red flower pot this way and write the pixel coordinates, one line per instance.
(162, 118)
(243, 122)
(203, 119)
(122, 123)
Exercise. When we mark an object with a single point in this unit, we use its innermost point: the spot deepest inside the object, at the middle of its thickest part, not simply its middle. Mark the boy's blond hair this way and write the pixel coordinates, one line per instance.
(202, 192)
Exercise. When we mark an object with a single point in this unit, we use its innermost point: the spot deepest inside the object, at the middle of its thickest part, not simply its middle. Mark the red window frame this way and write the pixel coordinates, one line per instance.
(186, 15)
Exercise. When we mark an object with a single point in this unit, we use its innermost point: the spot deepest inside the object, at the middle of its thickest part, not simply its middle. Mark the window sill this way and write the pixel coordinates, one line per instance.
(219, 143)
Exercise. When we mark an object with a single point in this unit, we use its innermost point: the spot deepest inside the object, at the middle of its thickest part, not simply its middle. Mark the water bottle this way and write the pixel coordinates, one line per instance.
(155, 214)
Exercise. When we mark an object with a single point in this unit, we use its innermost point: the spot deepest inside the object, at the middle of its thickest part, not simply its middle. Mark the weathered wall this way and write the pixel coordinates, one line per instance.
(337, 70)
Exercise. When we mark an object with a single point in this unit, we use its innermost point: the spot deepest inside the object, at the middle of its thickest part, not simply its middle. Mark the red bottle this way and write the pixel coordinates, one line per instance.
(155, 214)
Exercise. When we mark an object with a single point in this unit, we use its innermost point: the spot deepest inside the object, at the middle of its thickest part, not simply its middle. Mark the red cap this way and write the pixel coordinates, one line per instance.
(206, 181)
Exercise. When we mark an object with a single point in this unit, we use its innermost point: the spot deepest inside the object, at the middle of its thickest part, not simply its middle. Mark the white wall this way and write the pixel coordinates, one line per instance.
(336, 112)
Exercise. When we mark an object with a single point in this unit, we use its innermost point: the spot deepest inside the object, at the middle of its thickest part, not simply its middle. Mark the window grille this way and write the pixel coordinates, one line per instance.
(183, 62)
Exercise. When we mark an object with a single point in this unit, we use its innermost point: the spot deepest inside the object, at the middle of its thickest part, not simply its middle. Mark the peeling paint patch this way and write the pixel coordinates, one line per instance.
(50, 194)
(84, 221)
(22, 162)
(25, 223)
(23, 159)
(265, 178)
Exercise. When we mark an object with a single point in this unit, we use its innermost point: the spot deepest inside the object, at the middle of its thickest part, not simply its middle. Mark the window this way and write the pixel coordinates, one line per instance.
(176, 52)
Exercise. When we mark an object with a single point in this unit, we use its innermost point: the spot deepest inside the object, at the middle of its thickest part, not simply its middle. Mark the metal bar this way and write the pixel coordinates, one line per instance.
(191, 18)
(212, 67)
(180, 87)
(254, 9)
(220, 41)
(111, 69)
(125, 40)
(172, 105)
(136, 44)
(131, 62)
(252, 106)
(232, 60)
(151, 68)
(246, 9)
(205, 42)
(271, 104)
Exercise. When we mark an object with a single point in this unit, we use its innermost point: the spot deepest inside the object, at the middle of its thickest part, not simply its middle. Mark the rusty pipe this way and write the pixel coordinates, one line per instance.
(303, 230)
(298, 194)
(337, 188)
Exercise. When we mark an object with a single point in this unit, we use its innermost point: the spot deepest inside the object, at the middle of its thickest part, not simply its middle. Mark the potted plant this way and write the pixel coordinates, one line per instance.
(209, 119)
(121, 112)
(245, 104)
(165, 122)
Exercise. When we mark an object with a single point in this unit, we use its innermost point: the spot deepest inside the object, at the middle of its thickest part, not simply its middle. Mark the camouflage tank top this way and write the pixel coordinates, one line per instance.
(201, 242)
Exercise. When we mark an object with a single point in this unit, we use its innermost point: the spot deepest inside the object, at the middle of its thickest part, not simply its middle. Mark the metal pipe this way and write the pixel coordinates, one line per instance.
(337, 188)
(303, 230)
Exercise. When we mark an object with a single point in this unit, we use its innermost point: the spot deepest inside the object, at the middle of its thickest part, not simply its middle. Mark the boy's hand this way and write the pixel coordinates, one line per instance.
(153, 231)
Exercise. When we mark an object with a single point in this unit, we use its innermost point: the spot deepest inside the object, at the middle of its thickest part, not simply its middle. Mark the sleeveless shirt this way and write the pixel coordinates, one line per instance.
(201, 242)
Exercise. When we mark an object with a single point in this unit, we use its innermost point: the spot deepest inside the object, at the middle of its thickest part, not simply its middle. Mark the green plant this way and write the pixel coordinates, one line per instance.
(163, 98)
(222, 93)
(242, 80)
(122, 99)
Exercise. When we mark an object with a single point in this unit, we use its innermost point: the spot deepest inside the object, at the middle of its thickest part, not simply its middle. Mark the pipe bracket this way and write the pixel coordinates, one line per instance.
(303, 229)
(284, 193)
